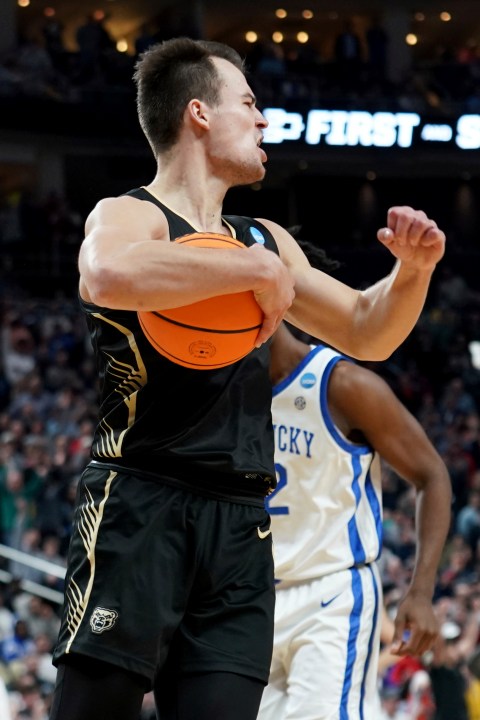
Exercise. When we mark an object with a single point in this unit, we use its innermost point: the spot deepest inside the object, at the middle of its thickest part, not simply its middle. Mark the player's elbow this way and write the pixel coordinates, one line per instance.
(379, 354)
(446, 482)
(104, 285)
(368, 350)
(436, 476)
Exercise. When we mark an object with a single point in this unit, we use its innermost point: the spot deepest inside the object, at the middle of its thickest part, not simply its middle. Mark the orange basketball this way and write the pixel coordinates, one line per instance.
(210, 333)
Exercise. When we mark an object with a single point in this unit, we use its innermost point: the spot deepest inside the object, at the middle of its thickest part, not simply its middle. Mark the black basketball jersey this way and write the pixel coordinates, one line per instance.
(195, 426)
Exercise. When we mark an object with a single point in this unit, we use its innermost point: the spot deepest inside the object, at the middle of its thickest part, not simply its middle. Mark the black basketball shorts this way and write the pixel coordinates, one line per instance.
(155, 569)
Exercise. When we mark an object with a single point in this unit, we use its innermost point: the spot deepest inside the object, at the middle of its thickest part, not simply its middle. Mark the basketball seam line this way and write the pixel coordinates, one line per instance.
(222, 239)
(202, 329)
(189, 363)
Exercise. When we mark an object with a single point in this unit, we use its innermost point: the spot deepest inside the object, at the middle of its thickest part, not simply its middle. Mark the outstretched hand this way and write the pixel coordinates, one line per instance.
(413, 238)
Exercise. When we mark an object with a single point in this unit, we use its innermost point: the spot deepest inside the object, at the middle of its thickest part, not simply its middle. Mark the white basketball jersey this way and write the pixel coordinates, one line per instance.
(327, 508)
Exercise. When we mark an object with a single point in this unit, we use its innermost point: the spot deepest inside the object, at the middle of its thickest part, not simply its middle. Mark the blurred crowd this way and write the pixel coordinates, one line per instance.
(352, 69)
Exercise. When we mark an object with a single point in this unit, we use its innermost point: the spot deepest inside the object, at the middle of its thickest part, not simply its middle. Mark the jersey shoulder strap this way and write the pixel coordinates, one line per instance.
(176, 223)
(251, 231)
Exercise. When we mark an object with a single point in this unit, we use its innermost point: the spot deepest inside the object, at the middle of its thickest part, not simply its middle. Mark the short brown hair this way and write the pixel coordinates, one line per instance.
(168, 75)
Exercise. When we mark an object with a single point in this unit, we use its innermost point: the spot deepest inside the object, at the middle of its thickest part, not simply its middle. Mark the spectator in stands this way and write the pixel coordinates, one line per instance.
(144, 39)
(17, 502)
(28, 542)
(271, 70)
(457, 567)
(18, 350)
(5, 704)
(392, 705)
(50, 551)
(52, 30)
(450, 654)
(348, 58)
(40, 661)
(31, 393)
(7, 620)
(468, 519)
(28, 698)
(406, 691)
(10, 86)
(377, 46)
(93, 41)
(41, 618)
(38, 75)
(17, 645)
(54, 508)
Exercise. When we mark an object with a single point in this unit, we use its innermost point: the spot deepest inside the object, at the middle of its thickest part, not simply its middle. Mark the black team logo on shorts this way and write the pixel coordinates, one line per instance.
(102, 619)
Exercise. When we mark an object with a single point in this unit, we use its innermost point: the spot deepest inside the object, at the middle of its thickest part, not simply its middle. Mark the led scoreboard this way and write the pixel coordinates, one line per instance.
(359, 128)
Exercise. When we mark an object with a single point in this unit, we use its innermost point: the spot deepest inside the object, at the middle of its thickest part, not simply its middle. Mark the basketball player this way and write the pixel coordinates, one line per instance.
(170, 556)
(333, 422)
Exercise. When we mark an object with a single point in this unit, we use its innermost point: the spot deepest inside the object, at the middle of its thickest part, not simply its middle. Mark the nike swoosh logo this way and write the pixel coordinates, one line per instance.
(324, 603)
(262, 534)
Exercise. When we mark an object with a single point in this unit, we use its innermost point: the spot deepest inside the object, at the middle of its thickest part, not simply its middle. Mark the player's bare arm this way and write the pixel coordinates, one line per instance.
(126, 262)
(362, 401)
(372, 323)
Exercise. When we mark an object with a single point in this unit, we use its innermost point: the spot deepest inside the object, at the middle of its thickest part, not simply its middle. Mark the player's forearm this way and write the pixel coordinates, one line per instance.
(388, 311)
(157, 275)
(433, 517)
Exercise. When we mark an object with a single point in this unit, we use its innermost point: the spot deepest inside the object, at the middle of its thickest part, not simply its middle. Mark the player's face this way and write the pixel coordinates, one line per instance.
(237, 129)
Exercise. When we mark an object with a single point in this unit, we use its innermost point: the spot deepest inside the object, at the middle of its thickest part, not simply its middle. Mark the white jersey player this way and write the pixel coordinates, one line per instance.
(333, 421)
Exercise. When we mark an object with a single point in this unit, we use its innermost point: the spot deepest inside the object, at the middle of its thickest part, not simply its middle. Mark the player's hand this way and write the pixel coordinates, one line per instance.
(274, 291)
(413, 238)
(416, 626)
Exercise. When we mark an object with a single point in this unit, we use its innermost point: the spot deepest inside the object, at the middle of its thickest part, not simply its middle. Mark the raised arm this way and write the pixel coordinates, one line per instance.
(368, 405)
(368, 324)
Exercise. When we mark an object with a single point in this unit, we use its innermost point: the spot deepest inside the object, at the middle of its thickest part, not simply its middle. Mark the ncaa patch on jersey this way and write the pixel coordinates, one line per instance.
(257, 235)
(308, 380)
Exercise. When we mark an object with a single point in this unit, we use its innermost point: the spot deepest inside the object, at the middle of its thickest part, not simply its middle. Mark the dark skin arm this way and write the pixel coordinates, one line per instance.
(364, 407)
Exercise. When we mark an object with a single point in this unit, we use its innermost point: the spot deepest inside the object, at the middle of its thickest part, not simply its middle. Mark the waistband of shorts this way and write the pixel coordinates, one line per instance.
(241, 488)
(283, 584)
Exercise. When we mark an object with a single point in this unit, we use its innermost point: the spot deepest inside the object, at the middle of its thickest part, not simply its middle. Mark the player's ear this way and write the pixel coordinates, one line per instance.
(197, 112)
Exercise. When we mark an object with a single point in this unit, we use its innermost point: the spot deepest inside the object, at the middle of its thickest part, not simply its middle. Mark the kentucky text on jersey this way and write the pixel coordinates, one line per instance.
(293, 440)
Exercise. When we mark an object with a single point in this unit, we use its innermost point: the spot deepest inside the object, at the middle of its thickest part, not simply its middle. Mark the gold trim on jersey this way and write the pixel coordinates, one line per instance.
(88, 527)
(130, 379)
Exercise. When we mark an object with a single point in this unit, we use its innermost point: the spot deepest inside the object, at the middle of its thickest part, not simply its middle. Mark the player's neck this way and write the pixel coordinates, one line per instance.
(206, 221)
(282, 364)
(196, 198)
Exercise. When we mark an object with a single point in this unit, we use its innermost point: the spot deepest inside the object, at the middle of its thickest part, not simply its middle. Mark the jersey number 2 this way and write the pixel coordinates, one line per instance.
(281, 483)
